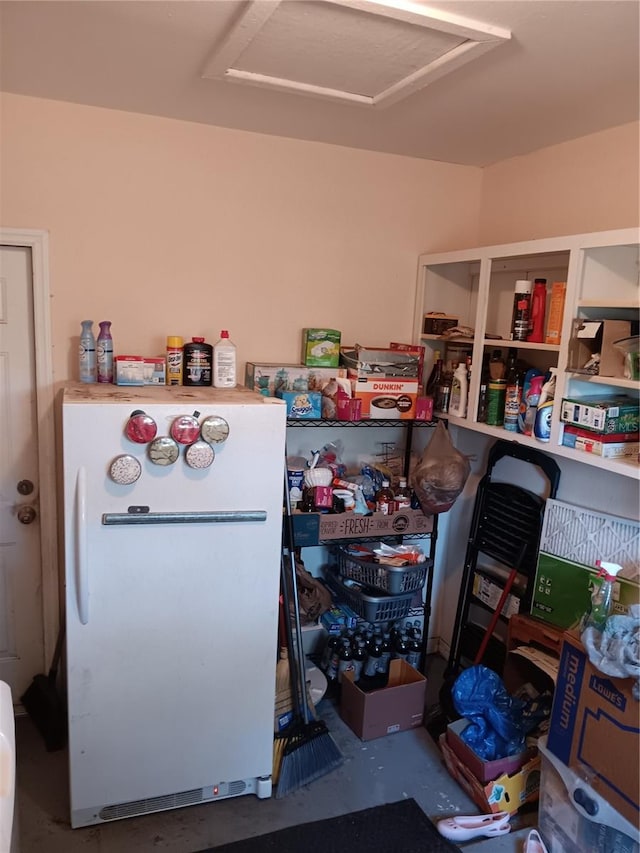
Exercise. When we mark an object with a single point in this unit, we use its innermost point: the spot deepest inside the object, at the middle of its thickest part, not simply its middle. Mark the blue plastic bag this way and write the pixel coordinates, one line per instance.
(497, 722)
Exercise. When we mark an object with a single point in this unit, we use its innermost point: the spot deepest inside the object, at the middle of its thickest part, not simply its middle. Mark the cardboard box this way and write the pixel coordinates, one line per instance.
(506, 793)
(321, 347)
(605, 449)
(597, 336)
(395, 708)
(155, 371)
(563, 588)
(564, 826)
(484, 771)
(312, 528)
(337, 618)
(388, 363)
(267, 378)
(553, 333)
(595, 728)
(387, 399)
(128, 370)
(411, 349)
(613, 414)
(435, 323)
(489, 592)
(302, 404)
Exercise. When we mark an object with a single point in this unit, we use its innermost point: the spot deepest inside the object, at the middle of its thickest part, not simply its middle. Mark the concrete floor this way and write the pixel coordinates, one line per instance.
(406, 764)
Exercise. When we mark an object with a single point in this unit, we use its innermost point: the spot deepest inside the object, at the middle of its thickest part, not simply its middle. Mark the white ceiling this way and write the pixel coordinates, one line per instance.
(467, 81)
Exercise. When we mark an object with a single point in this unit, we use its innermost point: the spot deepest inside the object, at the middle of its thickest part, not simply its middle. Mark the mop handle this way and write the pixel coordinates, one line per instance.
(296, 605)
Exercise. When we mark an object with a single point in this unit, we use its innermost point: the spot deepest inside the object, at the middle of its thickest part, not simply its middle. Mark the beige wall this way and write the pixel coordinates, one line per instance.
(589, 184)
(166, 227)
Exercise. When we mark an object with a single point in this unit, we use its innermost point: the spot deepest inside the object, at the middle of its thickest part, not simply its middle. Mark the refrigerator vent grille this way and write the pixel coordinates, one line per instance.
(237, 788)
(152, 804)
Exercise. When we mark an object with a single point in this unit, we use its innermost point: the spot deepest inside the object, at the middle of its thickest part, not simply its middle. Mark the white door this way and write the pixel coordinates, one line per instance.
(22, 584)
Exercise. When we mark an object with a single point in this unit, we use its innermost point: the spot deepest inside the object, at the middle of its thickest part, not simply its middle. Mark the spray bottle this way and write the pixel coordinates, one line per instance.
(602, 596)
(542, 423)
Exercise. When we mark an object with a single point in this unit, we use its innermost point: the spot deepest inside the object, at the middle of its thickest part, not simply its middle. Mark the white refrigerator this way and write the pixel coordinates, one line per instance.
(173, 523)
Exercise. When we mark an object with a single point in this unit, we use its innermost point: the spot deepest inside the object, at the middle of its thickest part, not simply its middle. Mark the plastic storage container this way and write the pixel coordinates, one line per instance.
(393, 580)
(572, 816)
(372, 608)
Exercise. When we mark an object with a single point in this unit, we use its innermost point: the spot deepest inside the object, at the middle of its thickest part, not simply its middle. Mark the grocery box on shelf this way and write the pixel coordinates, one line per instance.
(395, 708)
(302, 404)
(388, 363)
(435, 323)
(607, 445)
(386, 398)
(611, 414)
(597, 336)
(562, 591)
(595, 728)
(489, 592)
(321, 347)
(484, 771)
(311, 528)
(505, 793)
(572, 816)
(337, 618)
(267, 378)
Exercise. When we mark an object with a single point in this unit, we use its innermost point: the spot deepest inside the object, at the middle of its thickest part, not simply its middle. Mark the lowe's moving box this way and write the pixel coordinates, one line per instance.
(595, 728)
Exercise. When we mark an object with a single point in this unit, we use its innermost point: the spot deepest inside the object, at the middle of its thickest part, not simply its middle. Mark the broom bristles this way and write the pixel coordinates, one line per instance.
(309, 754)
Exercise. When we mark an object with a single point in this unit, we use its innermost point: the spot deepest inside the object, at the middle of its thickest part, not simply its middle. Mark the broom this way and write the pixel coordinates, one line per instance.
(310, 751)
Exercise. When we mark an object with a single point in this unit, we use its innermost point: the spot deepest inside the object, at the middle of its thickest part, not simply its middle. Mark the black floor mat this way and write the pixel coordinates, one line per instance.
(393, 828)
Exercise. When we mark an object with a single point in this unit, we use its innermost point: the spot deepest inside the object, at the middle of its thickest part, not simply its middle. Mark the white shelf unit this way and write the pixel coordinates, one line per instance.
(602, 272)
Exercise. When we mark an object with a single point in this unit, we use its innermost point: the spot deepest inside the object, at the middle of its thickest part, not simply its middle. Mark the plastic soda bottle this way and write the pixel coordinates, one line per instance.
(385, 499)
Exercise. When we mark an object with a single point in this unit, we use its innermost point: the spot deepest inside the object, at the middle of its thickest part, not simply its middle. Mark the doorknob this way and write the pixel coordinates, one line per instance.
(25, 487)
(26, 514)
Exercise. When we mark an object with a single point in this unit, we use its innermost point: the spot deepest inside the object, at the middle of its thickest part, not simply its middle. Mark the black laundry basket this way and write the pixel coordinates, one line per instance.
(506, 527)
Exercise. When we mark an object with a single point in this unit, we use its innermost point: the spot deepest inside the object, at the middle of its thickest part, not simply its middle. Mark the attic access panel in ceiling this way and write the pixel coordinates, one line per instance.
(364, 52)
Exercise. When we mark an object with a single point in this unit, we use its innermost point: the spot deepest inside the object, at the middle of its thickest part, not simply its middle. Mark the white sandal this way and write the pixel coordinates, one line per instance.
(534, 844)
(466, 827)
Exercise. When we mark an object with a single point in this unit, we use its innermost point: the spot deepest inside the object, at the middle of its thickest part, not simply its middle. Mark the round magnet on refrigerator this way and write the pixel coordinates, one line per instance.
(125, 470)
(185, 429)
(214, 429)
(140, 427)
(199, 455)
(163, 450)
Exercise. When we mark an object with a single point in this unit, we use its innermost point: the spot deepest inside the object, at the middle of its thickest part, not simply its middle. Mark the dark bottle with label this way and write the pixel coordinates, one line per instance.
(483, 394)
(513, 393)
(435, 376)
(197, 363)
(345, 659)
(385, 657)
(443, 394)
(359, 658)
(401, 649)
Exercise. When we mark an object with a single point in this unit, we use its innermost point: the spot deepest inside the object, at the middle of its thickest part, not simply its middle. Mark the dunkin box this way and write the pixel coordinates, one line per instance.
(395, 708)
(387, 399)
(595, 728)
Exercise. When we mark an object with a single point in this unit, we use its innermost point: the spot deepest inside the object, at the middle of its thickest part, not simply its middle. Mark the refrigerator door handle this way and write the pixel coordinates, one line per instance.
(82, 563)
(235, 515)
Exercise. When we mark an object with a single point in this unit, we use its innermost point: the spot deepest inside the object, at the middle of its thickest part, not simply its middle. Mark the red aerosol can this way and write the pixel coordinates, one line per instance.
(538, 306)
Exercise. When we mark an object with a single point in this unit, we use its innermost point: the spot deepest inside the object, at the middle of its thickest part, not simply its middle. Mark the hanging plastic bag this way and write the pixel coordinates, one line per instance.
(441, 473)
